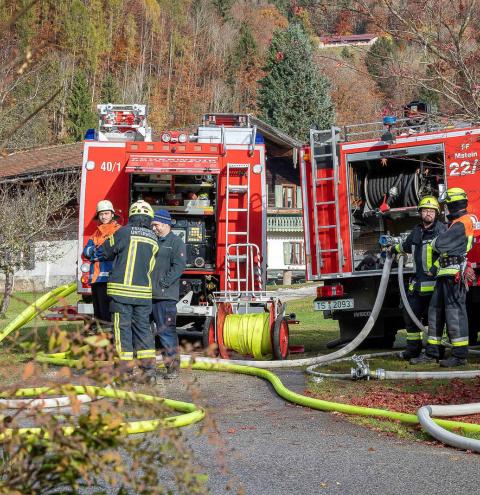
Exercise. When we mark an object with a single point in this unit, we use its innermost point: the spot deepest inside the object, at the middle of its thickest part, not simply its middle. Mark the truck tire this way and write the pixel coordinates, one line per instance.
(208, 332)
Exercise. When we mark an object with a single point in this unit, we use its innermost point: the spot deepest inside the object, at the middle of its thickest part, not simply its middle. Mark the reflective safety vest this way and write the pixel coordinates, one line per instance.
(453, 246)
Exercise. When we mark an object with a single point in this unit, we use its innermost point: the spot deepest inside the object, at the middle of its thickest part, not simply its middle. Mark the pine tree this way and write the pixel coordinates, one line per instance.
(294, 96)
(79, 113)
(109, 92)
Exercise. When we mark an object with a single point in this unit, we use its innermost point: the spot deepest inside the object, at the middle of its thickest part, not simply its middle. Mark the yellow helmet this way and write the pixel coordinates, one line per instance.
(454, 194)
(429, 202)
(141, 208)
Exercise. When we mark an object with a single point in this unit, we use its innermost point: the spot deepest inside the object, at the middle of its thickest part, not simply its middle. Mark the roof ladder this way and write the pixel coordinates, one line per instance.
(326, 143)
(242, 258)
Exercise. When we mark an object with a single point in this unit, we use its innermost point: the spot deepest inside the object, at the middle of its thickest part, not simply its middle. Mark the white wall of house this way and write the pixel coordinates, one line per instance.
(58, 268)
(285, 251)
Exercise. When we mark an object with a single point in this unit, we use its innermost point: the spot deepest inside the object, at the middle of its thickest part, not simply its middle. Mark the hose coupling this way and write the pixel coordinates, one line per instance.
(362, 371)
(380, 374)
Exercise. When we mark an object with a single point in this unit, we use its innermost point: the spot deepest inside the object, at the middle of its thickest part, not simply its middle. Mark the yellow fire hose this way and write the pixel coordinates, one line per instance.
(206, 364)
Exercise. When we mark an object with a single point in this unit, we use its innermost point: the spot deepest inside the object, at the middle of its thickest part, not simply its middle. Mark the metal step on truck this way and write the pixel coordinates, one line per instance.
(363, 181)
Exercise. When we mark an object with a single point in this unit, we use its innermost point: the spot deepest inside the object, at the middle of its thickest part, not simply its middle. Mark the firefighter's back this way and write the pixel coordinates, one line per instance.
(134, 247)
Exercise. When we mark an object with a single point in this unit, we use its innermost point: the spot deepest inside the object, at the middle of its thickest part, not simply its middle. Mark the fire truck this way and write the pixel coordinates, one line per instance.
(361, 182)
(213, 183)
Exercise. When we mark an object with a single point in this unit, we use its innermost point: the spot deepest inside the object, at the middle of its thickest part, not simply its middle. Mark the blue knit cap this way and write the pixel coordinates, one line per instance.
(162, 216)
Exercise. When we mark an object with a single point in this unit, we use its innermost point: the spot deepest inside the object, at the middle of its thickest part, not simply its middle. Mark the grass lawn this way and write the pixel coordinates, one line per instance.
(15, 350)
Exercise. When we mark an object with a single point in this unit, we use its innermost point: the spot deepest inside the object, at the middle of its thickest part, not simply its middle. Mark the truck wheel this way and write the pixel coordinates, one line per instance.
(280, 339)
(208, 332)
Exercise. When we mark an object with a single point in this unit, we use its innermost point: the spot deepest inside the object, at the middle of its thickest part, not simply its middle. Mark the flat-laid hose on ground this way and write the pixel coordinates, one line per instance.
(208, 364)
(40, 305)
(191, 413)
(434, 429)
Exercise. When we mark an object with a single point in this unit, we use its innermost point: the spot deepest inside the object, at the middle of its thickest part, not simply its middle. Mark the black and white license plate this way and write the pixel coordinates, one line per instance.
(335, 305)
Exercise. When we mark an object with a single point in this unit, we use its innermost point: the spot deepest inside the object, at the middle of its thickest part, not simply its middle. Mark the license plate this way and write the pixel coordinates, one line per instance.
(335, 305)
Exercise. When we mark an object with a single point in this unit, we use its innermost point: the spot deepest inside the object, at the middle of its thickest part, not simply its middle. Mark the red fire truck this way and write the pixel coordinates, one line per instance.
(213, 183)
(364, 181)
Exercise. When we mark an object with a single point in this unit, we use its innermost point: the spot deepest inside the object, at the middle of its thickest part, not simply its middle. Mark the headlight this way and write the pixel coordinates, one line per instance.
(182, 138)
(166, 138)
(85, 267)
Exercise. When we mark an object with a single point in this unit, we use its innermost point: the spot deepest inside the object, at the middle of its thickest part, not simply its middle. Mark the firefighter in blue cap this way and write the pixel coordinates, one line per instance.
(133, 249)
(169, 266)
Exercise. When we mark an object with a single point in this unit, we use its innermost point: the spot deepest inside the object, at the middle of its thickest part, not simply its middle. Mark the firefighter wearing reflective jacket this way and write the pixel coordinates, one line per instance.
(448, 299)
(421, 285)
(133, 249)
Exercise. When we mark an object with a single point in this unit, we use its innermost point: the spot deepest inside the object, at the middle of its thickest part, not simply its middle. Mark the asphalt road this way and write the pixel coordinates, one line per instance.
(271, 447)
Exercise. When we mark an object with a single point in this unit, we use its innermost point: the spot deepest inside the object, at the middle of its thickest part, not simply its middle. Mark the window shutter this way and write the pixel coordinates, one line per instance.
(278, 196)
(287, 253)
(299, 197)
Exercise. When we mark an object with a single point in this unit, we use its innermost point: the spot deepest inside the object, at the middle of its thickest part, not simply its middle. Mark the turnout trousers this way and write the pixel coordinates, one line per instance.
(419, 304)
(101, 302)
(133, 337)
(165, 316)
(448, 306)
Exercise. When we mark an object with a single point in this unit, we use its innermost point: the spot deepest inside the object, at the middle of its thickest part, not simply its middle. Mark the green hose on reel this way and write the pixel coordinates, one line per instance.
(248, 334)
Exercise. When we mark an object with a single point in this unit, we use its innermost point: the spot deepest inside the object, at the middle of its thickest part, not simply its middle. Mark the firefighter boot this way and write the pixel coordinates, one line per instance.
(423, 359)
(148, 374)
(172, 369)
(453, 361)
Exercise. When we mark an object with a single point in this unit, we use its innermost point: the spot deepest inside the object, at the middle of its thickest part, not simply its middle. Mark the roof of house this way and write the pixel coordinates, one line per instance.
(47, 160)
(352, 38)
(36, 161)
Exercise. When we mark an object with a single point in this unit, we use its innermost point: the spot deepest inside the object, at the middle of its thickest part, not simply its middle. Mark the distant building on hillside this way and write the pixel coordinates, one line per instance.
(331, 41)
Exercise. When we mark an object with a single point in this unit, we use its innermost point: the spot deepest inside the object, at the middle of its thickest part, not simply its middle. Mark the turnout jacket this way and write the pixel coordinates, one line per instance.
(169, 266)
(453, 245)
(419, 243)
(99, 270)
(132, 249)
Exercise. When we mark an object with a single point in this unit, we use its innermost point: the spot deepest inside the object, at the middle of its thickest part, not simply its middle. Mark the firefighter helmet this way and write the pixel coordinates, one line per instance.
(454, 194)
(141, 208)
(105, 205)
(429, 202)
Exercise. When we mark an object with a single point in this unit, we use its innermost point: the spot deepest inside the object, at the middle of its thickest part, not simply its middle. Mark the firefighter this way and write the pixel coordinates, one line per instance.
(100, 270)
(448, 299)
(169, 266)
(133, 249)
(421, 285)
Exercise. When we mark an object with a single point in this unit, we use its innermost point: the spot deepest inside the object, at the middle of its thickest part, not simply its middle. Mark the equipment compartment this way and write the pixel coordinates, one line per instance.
(383, 195)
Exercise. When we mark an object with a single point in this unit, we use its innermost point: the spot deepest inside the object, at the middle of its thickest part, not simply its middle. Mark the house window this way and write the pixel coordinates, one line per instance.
(289, 196)
(293, 253)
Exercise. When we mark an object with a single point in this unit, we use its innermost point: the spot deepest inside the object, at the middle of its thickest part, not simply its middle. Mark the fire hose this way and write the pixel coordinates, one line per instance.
(209, 364)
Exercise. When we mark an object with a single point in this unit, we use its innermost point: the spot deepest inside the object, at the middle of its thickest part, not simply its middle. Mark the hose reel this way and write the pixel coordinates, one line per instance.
(398, 189)
(262, 335)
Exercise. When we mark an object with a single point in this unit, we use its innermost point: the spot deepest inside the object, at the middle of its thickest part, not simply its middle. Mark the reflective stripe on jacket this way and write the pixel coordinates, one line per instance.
(454, 242)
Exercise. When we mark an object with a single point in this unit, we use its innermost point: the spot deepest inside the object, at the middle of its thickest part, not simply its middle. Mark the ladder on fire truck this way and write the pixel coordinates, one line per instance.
(243, 273)
(323, 149)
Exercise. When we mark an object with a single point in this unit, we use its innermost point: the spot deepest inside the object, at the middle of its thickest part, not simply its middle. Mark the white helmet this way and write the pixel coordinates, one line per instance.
(105, 205)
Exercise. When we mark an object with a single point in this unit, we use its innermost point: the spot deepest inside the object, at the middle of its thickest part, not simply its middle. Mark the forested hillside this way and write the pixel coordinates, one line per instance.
(186, 57)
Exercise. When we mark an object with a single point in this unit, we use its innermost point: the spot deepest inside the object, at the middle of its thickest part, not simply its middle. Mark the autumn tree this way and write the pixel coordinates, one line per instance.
(79, 114)
(439, 40)
(294, 95)
(30, 213)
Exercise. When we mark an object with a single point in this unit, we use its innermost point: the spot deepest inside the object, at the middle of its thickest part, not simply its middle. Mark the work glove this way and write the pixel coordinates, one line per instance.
(469, 274)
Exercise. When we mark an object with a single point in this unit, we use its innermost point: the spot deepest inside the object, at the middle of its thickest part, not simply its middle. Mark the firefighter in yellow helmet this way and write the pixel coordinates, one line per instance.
(448, 304)
(133, 248)
(422, 283)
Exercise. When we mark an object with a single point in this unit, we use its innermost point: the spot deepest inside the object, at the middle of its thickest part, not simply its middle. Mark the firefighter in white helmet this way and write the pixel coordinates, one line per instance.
(100, 270)
(422, 283)
(133, 248)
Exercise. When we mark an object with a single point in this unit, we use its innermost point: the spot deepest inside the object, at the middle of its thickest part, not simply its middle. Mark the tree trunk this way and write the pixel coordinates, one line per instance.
(7, 292)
